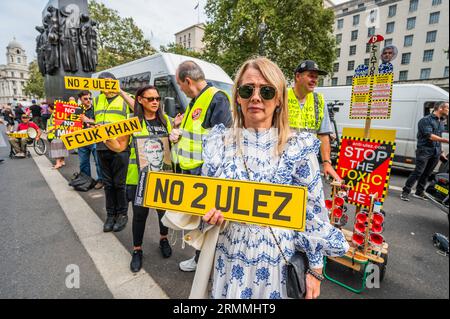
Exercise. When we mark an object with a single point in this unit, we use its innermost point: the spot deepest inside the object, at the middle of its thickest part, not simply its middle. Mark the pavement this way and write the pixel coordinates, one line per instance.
(47, 228)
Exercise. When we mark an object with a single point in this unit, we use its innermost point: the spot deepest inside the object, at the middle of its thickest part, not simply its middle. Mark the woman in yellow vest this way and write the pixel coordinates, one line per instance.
(155, 125)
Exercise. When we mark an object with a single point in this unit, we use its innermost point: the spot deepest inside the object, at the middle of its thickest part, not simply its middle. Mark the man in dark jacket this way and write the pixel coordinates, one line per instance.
(429, 149)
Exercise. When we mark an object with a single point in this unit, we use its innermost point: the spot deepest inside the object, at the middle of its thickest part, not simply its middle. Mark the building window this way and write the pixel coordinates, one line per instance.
(356, 19)
(15, 91)
(428, 55)
(338, 38)
(351, 65)
(19, 60)
(392, 11)
(336, 67)
(425, 73)
(344, 10)
(321, 82)
(431, 36)
(352, 50)
(436, 2)
(12, 59)
(367, 47)
(413, 4)
(334, 81)
(403, 76)
(338, 52)
(408, 40)
(411, 23)
(370, 31)
(434, 18)
(366, 61)
(388, 42)
(406, 58)
(340, 24)
(354, 35)
(349, 80)
(390, 27)
(21, 75)
(446, 72)
(360, 5)
(13, 75)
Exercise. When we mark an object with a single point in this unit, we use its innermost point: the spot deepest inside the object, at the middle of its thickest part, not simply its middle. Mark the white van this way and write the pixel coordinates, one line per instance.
(159, 70)
(410, 103)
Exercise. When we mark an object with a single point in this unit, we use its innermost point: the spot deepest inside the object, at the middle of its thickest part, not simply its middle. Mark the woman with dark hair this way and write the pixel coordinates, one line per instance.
(155, 124)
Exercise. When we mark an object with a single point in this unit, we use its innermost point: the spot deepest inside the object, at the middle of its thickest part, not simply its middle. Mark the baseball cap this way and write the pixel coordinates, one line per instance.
(309, 65)
(106, 75)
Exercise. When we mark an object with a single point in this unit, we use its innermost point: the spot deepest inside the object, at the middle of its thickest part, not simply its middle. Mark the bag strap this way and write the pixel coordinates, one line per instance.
(279, 247)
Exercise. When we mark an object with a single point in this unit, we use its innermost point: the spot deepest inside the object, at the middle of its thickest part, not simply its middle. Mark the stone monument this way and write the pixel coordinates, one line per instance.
(66, 45)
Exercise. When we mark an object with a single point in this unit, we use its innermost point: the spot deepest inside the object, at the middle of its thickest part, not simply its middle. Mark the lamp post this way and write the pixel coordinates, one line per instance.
(262, 28)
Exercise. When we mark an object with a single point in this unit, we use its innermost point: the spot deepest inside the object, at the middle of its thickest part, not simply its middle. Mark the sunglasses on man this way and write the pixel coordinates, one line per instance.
(266, 92)
(151, 98)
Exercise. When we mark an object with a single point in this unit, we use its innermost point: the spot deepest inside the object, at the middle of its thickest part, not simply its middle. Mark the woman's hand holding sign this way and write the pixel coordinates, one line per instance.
(213, 217)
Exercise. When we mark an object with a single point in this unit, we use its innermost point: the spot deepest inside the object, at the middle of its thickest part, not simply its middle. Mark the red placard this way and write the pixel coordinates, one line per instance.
(365, 166)
(67, 118)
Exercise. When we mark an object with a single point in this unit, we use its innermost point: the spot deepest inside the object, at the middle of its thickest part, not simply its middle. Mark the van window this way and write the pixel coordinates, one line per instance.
(166, 88)
(428, 109)
(132, 83)
(222, 86)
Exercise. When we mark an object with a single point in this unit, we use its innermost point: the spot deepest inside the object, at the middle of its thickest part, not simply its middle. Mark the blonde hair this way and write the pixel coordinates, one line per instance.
(272, 74)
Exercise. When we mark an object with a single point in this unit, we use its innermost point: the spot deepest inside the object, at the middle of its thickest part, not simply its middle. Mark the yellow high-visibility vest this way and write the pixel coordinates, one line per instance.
(106, 113)
(188, 151)
(50, 127)
(309, 118)
(133, 171)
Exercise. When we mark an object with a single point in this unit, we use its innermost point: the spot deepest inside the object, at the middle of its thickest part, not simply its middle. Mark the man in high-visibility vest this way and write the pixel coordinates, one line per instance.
(307, 111)
(208, 107)
(110, 107)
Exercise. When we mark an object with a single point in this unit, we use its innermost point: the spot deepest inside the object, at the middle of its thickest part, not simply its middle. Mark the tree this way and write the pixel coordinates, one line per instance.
(120, 40)
(295, 30)
(179, 49)
(34, 87)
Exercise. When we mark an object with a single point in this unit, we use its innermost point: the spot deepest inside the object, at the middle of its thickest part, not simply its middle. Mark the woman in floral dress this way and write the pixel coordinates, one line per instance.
(246, 261)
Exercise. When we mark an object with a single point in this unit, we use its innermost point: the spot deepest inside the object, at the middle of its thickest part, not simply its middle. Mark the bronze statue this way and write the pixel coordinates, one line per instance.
(52, 48)
(41, 41)
(70, 25)
(88, 44)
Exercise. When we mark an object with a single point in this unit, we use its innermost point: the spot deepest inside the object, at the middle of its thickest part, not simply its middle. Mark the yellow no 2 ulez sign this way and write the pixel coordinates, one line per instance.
(92, 84)
(240, 201)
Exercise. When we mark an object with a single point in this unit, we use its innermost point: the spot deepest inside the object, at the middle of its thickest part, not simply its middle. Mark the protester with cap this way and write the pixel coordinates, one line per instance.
(209, 106)
(20, 144)
(110, 107)
(307, 111)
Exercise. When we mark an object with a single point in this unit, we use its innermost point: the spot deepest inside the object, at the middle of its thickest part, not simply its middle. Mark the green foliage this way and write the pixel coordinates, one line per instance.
(296, 30)
(179, 49)
(34, 87)
(120, 40)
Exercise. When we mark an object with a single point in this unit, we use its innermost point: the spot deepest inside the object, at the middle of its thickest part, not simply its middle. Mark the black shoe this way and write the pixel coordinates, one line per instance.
(109, 224)
(404, 197)
(121, 222)
(136, 261)
(166, 250)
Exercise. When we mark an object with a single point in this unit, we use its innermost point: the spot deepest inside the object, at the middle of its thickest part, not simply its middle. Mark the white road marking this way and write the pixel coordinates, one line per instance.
(2, 140)
(396, 188)
(110, 257)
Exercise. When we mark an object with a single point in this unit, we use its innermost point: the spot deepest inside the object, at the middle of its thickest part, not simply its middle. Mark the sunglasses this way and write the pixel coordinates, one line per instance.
(151, 98)
(87, 98)
(267, 92)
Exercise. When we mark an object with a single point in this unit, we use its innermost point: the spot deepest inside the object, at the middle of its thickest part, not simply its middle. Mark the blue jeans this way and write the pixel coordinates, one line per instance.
(84, 154)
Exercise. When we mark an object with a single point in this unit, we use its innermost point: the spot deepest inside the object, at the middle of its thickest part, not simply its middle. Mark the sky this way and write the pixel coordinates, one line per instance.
(159, 19)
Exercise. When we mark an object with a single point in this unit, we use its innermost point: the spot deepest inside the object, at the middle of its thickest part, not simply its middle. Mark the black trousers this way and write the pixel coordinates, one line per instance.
(426, 161)
(140, 215)
(114, 168)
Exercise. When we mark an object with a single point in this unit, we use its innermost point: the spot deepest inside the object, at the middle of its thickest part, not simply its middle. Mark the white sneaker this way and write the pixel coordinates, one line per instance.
(20, 155)
(188, 265)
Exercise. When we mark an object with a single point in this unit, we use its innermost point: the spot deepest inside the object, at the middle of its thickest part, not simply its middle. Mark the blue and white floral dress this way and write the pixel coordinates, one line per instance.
(247, 261)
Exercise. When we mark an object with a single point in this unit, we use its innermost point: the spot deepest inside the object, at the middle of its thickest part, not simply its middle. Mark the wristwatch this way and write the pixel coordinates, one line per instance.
(327, 161)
